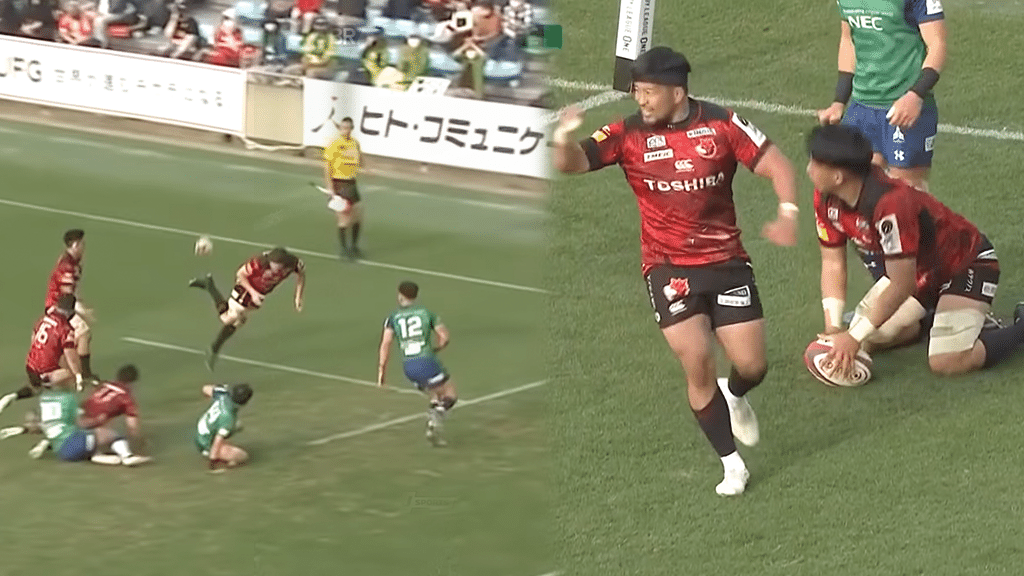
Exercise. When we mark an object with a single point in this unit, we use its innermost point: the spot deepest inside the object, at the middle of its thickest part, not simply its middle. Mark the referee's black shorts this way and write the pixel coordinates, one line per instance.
(346, 189)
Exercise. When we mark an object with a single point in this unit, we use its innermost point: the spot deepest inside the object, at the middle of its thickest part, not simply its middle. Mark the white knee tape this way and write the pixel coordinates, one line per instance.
(955, 331)
(908, 314)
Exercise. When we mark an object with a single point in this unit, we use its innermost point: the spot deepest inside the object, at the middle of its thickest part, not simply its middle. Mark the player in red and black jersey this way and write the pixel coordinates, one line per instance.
(112, 399)
(679, 156)
(932, 256)
(52, 342)
(64, 279)
(254, 280)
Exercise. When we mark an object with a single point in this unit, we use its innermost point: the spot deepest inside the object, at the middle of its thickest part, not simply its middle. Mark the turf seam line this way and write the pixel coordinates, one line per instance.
(420, 415)
(229, 240)
(269, 365)
(775, 108)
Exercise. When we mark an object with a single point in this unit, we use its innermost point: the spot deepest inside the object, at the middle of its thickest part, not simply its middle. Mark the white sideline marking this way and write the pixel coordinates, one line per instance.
(773, 108)
(419, 415)
(480, 203)
(244, 168)
(278, 367)
(180, 231)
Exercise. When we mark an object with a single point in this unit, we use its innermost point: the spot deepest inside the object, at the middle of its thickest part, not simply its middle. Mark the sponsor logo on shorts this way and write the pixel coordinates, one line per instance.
(899, 156)
(698, 132)
(677, 308)
(676, 288)
(988, 289)
(933, 7)
(706, 148)
(436, 378)
(970, 280)
(929, 143)
(656, 141)
(822, 233)
(898, 137)
(736, 297)
(833, 214)
(684, 165)
(658, 155)
(945, 286)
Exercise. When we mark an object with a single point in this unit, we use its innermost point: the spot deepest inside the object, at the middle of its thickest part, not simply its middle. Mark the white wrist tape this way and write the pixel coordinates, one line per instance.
(861, 328)
(833, 308)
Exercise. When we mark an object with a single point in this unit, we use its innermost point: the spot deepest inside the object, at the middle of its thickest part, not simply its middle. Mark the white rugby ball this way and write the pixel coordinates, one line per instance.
(814, 359)
(204, 246)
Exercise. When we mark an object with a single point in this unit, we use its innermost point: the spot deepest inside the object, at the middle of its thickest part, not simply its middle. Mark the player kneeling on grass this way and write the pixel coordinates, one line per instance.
(253, 282)
(108, 401)
(413, 326)
(52, 341)
(923, 244)
(75, 438)
(220, 422)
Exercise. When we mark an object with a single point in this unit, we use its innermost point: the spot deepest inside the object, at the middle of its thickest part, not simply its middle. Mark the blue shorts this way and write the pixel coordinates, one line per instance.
(903, 148)
(425, 372)
(79, 446)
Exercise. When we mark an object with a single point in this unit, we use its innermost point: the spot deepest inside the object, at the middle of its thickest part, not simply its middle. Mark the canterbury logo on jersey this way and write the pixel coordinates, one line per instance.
(690, 185)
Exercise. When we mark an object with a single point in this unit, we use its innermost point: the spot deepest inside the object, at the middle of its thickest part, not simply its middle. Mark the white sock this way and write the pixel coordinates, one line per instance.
(120, 447)
(723, 383)
(733, 462)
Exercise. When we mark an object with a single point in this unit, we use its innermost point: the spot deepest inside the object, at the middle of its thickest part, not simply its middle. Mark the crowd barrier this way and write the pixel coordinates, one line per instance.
(304, 112)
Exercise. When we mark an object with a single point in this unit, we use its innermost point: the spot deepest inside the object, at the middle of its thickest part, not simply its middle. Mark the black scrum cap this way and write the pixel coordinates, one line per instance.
(661, 65)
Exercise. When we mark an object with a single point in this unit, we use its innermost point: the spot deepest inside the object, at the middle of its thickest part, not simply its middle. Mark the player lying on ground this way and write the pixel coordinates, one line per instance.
(52, 342)
(679, 156)
(414, 327)
(108, 401)
(64, 280)
(220, 422)
(924, 245)
(75, 438)
(253, 282)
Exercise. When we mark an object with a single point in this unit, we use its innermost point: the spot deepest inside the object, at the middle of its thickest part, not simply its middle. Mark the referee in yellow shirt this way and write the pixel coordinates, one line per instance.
(343, 160)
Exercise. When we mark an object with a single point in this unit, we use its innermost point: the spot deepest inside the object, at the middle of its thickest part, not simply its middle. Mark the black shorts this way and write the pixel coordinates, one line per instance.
(725, 292)
(35, 379)
(981, 278)
(346, 189)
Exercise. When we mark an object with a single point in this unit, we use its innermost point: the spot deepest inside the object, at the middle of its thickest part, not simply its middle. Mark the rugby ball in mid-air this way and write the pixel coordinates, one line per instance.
(204, 246)
(814, 359)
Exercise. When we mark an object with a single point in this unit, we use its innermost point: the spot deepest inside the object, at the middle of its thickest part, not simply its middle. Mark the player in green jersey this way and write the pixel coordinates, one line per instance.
(220, 422)
(890, 55)
(414, 327)
(70, 435)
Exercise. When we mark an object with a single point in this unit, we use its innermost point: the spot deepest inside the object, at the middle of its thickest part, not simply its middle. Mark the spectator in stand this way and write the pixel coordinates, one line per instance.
(112, 12)
(37, 21)
(351, 13)
(183, 38)
(303, 14)
(319, 59)
(10, 17)
(457, 26)
(439, 10)
(75, 27)
(279, 11)
(399, 9)
(473, 58)
(275, 49)
(375, 58)
(517, 20)
(486, 25)
(414, 60)
(151, 14)
(227, 41)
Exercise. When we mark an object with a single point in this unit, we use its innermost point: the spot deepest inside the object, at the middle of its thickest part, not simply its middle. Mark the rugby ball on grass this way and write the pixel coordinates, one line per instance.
(814, 359)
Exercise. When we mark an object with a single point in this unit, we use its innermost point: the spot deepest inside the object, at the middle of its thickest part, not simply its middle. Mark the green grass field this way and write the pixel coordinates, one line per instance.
(373, 502)
(908, 475)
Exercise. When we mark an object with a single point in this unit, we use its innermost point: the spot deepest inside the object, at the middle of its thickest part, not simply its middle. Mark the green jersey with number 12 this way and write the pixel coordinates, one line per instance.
(58, 414)
(413, 326)
(219, 418)
(887, 41)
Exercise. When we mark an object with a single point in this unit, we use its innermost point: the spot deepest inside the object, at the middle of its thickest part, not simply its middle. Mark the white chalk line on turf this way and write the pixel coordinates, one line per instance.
(278, 367)
(180, 231)
(774, 108)
(419, 415)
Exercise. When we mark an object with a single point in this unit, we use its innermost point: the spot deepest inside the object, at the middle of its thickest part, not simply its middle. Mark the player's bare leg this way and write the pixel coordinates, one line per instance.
(692, 343)
(83, 343)
(744, 346)
(220, 304)
(916, 177)
(442, 400)
(32, 425)
(229, 456)
(57, 377)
